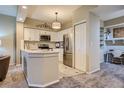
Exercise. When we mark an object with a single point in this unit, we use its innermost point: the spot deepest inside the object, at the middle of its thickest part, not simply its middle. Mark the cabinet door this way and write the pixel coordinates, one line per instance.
(42, 32)
(35, 35)
(27, 34)
(54, 36)
(60, 36)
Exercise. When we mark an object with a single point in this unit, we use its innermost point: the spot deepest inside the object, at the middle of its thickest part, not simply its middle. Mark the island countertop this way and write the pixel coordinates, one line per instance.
(38, 51)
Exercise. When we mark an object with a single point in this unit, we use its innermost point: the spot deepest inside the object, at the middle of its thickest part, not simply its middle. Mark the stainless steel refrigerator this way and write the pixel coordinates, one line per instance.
(67, 45)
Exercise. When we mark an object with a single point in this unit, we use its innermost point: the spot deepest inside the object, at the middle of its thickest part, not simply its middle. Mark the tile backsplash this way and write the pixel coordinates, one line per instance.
(34, 45)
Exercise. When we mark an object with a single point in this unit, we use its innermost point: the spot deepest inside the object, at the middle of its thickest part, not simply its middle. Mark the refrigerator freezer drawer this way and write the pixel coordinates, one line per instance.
(68, 60)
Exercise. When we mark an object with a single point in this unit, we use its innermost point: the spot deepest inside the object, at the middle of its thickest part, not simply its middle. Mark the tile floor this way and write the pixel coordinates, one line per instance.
(65, 71)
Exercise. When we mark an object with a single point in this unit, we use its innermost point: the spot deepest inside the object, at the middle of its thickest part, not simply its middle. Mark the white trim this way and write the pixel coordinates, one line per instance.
(82, 21)
(114, 25)
(40, 85)
(93, 71)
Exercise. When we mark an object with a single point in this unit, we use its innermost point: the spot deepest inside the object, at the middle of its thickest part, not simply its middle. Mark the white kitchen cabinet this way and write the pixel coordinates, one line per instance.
(61, 55)
(61, 52)
(40, 68)
(35, 35)
(54, 36)
(42, 32)
(27, 34)
(31, 34)
(60, 36)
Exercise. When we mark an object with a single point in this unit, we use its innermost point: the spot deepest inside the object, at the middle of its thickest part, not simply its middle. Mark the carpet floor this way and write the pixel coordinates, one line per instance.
(110, 76)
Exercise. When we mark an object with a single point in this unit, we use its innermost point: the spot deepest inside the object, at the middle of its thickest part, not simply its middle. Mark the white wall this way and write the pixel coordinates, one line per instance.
(94, 41)
(7, 35)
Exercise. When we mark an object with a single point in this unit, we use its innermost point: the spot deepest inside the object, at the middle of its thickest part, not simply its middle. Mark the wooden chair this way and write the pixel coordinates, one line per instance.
(4, 64)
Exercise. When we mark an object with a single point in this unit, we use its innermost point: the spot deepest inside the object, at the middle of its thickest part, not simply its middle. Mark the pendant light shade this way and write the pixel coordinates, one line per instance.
(56, 24)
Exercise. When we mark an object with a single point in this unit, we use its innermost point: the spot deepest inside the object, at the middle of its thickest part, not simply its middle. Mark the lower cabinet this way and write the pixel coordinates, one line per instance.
(60, 50)
(61, 55)
(41, 70)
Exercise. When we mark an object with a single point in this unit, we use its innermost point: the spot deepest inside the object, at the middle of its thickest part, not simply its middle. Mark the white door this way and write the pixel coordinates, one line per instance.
(80, 46)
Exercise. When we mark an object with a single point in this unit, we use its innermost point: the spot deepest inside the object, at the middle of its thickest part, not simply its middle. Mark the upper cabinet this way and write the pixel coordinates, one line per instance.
(60, 36)
(54, 36)
(42, 32)
(31, 34)
(34, 35)
(27, 34)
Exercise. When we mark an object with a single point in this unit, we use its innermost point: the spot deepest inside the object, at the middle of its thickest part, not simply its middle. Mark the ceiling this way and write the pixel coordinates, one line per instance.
(10, 10)
(47, 12)
(107, 12)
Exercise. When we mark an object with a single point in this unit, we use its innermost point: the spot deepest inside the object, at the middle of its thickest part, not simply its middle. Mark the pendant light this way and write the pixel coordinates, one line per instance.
(56, 24)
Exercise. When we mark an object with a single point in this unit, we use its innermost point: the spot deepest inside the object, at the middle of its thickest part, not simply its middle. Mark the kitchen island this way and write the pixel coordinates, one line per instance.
(40, 67)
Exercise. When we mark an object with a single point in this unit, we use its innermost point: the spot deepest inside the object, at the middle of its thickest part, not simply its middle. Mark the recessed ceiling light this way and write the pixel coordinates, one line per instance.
(24, 7)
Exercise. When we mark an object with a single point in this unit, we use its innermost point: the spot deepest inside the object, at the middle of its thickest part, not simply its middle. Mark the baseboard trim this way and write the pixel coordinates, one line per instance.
(41, 86)
(93, 71)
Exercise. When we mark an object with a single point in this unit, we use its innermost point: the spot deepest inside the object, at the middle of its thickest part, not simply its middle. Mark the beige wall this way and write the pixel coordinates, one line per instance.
(67, 25)
(7, 35)
(115, 21)
(19, 37)
(32, 23)
(82, 13)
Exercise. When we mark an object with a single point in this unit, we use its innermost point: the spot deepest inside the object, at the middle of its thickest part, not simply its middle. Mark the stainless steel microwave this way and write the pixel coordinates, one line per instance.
(45, 37)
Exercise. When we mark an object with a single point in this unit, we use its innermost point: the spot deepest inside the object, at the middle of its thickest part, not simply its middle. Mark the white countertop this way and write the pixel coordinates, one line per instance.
(41, 51)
